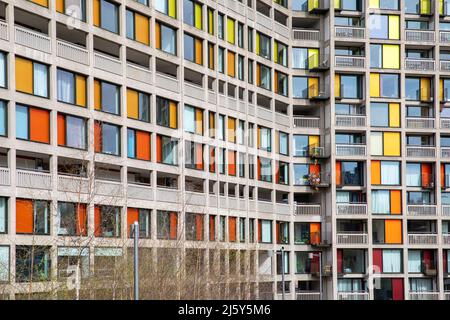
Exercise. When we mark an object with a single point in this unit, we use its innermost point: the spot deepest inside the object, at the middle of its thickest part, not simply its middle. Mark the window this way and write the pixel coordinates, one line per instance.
(265, 231)
(303, 145)
(32, 124)
(387, 260)
(231, 130)
(72, 219)
(418, 89)
(232, 229)
(241, 164)
(138, 105)
(418, 6)
(166, 223)
(283, 143)
(303, 173)
(166, 38)
(386, 202)
(72, 8)
(33, 263)
(212, 228)
(305, 87)
(32, 217)
(221, 128)
(221, 60)
(385, 56)
(283, 173)
(211, 21)
(280, 53)
(220, 26)
(384, 26)
(193, 155)
(348, 86)
(384, 85)
(3, 118)
(387, 231)
(192, 13)
(241, 132)
(231, 64)
(283, 258)
(193, 120)
(138, 144)
(72, 131)
(241, 67)
(265, 169)
(3, 217)
(305, 58)
(240, 34)
(194, 226)
(306, 233)
(106, 138)
(166, 150)
(107, 221)
(166, 113)
(351, 261)
(32, 77)
(193, 49)
(385, 172)
(3, 68)
(168, 7)
(385, 4)
(211, 55)
(385, 115)
(222, 223)
(349, 173)
(250, 39)
(137, 27)
(350, 5)
(4, 264)
(385, 144)
(263, 44)
(106, 15)
(281, 85)
(106, 97)
(264, 138)
(307, 262)
(71, 88)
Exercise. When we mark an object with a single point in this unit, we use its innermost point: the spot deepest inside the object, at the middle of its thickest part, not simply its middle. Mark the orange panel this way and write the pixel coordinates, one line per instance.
(393, 231)
(212, 228)
(61, 130)
(97, 95)
(81, 220)
(259, 231)
(173, 225)
(212, 160)
(259, 169)
(24, 216)
(158, 149)
(277, 172)
(426, 174)
(97, 222)
(199, 156)
(314, 169)
(314, 231)
(198, 51)
(231, 163)
(376, 172)
(97, 137)
(232, 229)
(158, 35)
(132, 216)
(143, 145)
(199, 227)
(39, 125)
(396, 202)
(338, 173)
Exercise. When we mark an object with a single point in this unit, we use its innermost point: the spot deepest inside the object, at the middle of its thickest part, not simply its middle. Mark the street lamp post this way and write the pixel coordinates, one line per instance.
(136, 260)
(320, 272)
(282, 274)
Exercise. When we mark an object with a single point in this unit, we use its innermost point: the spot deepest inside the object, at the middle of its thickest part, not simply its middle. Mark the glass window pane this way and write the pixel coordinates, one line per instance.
(379, 114)
(109, 16)
(168, 39)
(378, 26)
(2, 70)
(110, 139)
(76, 132)
(130, 24)
(3, 118)
(21, 122)
(40, 79)
(300, 87)
(66, 86)
(389, 85)
(110, 98)
(188, 47)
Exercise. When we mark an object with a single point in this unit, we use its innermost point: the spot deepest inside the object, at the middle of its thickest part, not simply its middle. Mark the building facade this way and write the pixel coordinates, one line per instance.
(309, 135)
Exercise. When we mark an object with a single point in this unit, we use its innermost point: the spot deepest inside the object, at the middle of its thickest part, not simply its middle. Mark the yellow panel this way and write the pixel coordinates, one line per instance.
(97, 95)
(81, 90)
(425, 6)
(275, 51)
(199, 121)
(337, 3)
(374, 4)
(173, 115)
(441, 7)
(394, 115)
(142, 28)
(391, 56)
(198, 51)
(312, 4)
(24, 75)
(313, 87)
(441, 90)
(257, 43)
(391, 144)
(173, 8)
(210, 22)
(96, 12)
(60, 6)
(374, 85)
(337, 85)
(313, 58)
(425, 89)
(41, 2)
(132, 104)
(198, 16)
(394, 27)
(230, 30)
(314, 141)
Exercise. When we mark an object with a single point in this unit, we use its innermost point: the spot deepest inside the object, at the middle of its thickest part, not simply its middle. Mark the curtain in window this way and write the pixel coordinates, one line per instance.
(392, 260)
(2, 216)
(75, 132)
(4, 264)
(390, 173)
(169, 151)
(342, 197)
(376, 143)
(2, 70)
(299, 58)
(167, 39)
(266, 231)
(380, 201)
(21, 122)
(414, 261)
(413, 174)
(75, 8)
(421, 285)
(40, 80)
(189, 119)
(266, 168)
(66, 87)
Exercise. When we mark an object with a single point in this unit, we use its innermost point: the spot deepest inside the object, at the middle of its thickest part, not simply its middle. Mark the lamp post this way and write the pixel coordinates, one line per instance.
(136, 260)
(311, 255)
(283, 289)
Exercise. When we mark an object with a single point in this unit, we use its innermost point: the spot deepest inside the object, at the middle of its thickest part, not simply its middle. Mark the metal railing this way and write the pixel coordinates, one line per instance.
(4, 31)
(353, 295)
(306, 122)
(72, 52)
(307, 209)
(420, 123)
(34, 179)
(420, 35)
(445, 210)
(350, 150)
(33, 39)
(351, 238)
(445, 65)
(308, 35)
(444, 36)
(422, 210)
(419, 64)
(421, 151)
(422, 238)
(445, 123)
(349, 32)
(446, 238)
(350, 121)
(307, 295)
(351, 208)
(349, 62)
(423, 295)
(5, 177)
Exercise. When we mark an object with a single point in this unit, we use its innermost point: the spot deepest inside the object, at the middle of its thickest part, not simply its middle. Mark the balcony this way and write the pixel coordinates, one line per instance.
(5, 177)
(306, 122)
(32, 39)
(445, 65)
(423, 295)
(4, 31)
(350, 150)
(420, 123)
(351, 238)
(422, 210)
(107, 63)
(350, 33)
(445, 123)
(419, 35)
(72, 52)
(351, 209)
(108, 188)
(350, 121)
(445, 210)
(349, 62)
(419, 64)
(73, 184)
(306, 35)
(139, 73)
(353, 295)
(422, 238)
(421, 151)
(322, 63)
(308, 295)
(318, 6)
(444, 36)
(139, 191)
(34, 179)
(446, 238)
(307, 209)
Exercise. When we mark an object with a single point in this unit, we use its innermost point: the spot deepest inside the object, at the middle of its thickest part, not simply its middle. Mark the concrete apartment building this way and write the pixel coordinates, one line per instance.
(235, 128)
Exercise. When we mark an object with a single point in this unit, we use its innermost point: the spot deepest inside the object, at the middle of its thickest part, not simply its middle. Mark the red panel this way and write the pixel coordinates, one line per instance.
(143, 145)
(81, 220)
(97, 137)
(339, 261)
(397, 289)
(173, 225)
(444, 253)
(97, 222)
(132, 216)
(378, 260)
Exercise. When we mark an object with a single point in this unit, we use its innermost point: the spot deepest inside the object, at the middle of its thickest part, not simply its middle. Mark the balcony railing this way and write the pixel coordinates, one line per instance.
(306, 209)
(353, 296)
(422, 238)
(421, 151)
(423, 295)
(445, 210)
(306, 122)
(420, 123)
(351, 209)
(139, 191)
(72, 52)
(419, 35)
(308, 295)
(350, 150)
(350, 121)
(351, 238)
(32, 39)
(73, 184)
(34, 179)
(349, 62)
(419, 64)
(308, 35)
(446, 295)
(445, 65)
(422, 210)
(5, 177)
(4, 31)
(446, 238)
(350, 32)
(108, 188)
(139, 73)
(107, 63)
(444, 36)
